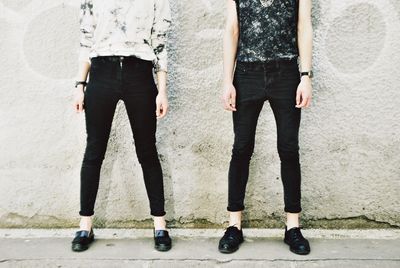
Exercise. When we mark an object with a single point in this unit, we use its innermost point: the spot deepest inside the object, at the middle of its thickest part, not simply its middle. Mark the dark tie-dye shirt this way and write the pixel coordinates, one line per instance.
(268, 30)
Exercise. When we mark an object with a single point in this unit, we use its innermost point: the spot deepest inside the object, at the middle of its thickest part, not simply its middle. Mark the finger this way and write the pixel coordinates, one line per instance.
(233, 100)
(158, 109)
(222, 98)
(226, 100)
(308, 102)
(303, 101)
(165, 109)
(80, 107)
(161, 115)
(298, 98)
(159, 112)
(223, 103)
(228, 106)
(76, 107)
(226, 103)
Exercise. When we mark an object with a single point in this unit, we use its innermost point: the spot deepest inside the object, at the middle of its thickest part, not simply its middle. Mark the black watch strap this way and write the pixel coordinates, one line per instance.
(77, 83)
(309, 74)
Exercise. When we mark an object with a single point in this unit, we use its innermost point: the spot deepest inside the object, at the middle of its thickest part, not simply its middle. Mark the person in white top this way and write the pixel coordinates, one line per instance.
(123, 42)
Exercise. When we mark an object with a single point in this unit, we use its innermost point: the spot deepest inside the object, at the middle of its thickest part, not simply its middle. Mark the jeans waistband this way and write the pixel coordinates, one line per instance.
(118, 59)
(264, 65)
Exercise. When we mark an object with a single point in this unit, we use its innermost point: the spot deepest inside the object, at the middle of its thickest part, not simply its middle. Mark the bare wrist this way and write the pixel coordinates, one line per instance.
(80, 88)
(162, 91)
(228, 81)
(306, 78)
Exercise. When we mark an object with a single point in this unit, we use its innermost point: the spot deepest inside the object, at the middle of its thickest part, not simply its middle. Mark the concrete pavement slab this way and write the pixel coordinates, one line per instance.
(199, 250)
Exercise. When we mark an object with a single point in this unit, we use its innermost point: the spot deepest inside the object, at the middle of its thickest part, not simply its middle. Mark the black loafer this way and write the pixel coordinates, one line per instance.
(82, 240)
(231, 240)
(296, 241)
(162, 241)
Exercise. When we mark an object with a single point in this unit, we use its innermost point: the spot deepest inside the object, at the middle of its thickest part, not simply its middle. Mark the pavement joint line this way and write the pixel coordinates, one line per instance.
(202, 233)
(219, 260)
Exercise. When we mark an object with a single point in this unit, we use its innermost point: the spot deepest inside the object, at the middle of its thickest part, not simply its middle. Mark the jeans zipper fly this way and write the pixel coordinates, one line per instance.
(120, 70)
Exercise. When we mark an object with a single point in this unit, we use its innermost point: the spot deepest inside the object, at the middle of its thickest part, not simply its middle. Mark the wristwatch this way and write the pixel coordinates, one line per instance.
(309, 74)
(77, 83)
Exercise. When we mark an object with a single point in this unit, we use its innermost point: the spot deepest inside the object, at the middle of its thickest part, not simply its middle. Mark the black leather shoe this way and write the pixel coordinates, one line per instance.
(162, 241)
(82, 240)
(297, 243)
(231, 240)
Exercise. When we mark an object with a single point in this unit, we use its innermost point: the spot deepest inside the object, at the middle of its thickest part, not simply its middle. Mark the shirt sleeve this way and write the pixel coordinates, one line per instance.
(162, 21)
(87, 27)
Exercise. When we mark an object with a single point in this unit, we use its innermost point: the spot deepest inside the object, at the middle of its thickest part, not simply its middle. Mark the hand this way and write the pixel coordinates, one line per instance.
(303, 94)
(229, 97)
(78, 98)
(161, 104)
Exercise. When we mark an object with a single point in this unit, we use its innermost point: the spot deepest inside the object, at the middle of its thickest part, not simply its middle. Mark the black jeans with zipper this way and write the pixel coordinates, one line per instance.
(256, 82)
(114, 78)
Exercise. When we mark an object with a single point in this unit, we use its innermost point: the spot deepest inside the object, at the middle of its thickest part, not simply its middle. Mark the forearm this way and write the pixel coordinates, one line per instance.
(162, 82)
(305, 35)
(230, 48)
(83, 70)
(305, 44)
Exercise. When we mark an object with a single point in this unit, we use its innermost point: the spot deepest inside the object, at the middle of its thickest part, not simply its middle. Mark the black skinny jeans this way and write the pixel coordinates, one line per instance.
(114, 78)
(255, 83)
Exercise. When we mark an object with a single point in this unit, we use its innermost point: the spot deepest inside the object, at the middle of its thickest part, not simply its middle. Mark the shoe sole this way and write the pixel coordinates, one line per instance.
(228, 251)
(162, 248)
(80, 248)
(297, 252)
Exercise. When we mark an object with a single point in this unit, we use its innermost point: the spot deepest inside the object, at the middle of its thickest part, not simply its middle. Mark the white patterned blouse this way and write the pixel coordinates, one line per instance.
(125, 28)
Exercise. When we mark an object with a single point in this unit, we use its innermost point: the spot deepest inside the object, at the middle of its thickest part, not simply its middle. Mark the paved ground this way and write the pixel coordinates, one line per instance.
(198, 248)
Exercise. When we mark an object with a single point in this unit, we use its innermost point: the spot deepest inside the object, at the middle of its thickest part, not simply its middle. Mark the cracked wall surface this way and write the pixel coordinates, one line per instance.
(349, 138)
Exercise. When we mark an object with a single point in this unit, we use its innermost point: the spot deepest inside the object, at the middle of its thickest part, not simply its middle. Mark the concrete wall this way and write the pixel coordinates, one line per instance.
(349, 138)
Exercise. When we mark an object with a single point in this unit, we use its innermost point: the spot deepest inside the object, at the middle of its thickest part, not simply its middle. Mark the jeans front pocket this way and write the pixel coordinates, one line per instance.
(249, 83)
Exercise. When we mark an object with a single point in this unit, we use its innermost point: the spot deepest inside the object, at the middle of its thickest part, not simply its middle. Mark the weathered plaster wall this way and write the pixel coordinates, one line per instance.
(349, 138)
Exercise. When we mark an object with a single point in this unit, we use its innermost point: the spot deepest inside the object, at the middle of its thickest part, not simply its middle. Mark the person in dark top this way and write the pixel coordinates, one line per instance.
(263, 41)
